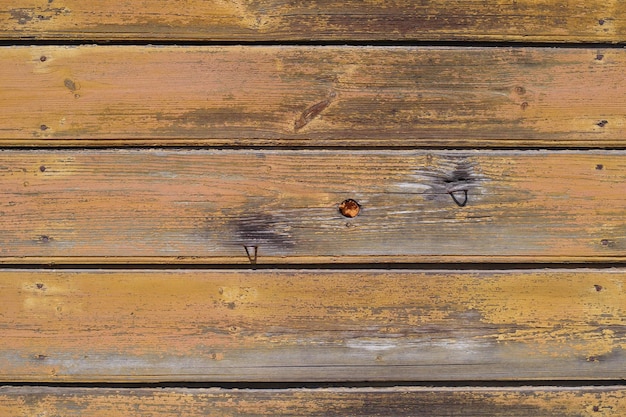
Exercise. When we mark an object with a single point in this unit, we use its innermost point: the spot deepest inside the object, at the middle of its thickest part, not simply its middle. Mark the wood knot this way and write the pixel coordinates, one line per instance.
(349, 208)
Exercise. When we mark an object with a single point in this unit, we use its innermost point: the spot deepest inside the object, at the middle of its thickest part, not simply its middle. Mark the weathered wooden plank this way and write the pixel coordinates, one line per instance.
(400, 401)
(247, 206)
(287, 325)
(314, 96)
(217, 20)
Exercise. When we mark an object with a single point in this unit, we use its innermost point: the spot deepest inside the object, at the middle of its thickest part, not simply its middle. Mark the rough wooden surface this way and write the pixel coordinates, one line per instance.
(400, 401)
(246, 206)
(311, 206)
(314, 96)
(249, 20)
(286, 325)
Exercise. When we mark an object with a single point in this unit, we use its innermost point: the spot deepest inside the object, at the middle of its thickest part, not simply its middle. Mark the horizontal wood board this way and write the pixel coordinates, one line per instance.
(318, 325)
(312, 96)
(265, 207)
(400, 401)
(320, 20)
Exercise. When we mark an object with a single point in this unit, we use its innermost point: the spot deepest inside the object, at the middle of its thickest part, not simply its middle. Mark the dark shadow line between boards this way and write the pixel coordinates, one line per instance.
(539, 384)
(101, 145)
(444, 266)
(34, 41)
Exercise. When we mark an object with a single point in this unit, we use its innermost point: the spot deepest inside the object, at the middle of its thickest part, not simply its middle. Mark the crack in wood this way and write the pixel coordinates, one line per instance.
(312, 112)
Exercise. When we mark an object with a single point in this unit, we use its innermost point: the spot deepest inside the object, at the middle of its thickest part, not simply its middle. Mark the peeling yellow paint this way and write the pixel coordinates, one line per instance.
(399, 401)
(565, 315)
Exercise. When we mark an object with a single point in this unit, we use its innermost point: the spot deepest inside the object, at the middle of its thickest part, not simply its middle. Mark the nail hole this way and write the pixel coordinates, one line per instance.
(43, 127)
(349, 208)
(607, 242)
(459, 197)
(42, 168)
(601, 22)
(599, 57)
(598, 287)
(45, 239)
(596, 409)
(520, 90)
(599, 167)
(43, 58)
(524, 105)
(39, 286)
(602, 123)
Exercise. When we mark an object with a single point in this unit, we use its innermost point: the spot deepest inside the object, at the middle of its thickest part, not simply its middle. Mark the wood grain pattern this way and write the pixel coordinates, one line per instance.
(312, 96)
(318, 325)
(401, 401)
(264, 207)
(257, 208)
(279, 20)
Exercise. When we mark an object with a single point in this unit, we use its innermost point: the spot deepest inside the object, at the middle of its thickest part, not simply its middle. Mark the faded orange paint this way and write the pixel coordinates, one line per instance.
(205, 206)
(336, 96)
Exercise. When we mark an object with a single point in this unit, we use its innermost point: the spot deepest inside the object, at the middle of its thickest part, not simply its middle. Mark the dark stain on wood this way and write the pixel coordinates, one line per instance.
(255, 233)
(451, 179)
(22, 16)
(27, 15)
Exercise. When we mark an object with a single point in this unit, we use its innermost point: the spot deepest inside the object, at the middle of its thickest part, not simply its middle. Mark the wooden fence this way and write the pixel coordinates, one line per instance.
(229, 208)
